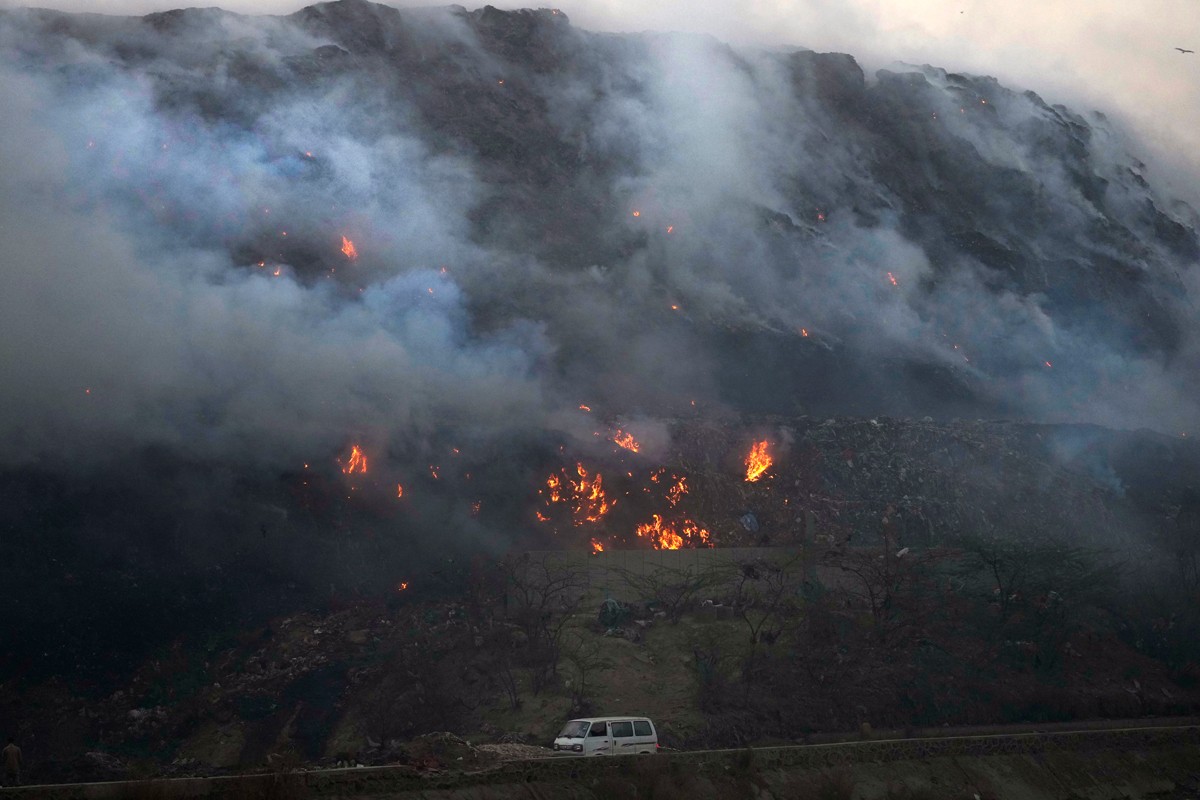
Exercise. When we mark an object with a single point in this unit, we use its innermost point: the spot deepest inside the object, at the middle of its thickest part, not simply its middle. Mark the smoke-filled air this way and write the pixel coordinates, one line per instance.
(298, 305)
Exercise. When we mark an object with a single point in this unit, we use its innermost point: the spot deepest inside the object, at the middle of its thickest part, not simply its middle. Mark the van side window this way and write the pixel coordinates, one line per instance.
(598, 729)
(641, 728)
(621, 729)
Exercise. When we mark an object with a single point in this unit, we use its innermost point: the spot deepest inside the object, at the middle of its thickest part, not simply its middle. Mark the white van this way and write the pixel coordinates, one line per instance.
(607, 736)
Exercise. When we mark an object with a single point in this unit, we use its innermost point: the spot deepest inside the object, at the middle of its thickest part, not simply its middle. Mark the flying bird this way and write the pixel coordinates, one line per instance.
(1180, 49)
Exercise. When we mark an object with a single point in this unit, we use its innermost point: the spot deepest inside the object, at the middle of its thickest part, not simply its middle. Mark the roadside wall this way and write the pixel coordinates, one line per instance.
(1161, 762)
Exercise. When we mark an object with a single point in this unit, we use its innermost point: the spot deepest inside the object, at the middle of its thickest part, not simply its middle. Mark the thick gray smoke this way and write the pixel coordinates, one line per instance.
(130, 321)
(654, 226)
(683, 189)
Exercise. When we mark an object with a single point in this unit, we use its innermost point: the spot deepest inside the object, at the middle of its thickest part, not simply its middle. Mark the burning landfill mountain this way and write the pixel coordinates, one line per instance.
(305, 300)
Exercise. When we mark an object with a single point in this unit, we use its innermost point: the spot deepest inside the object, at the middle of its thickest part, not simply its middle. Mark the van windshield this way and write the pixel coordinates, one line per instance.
(575, 729)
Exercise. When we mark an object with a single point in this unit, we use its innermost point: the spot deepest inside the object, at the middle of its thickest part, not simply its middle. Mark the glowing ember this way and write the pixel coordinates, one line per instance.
(399, 490)
(1047, 363)
(585, 408)
(433, 471)
(664, 536)
(892, 278)
(349, 249)
(475, 508)
(626, 440)
(357, 463)
(757, 461)
(804, 331)
(542, 517)
(402, 586)
(597, 546)
(637, 213)
(670, 229)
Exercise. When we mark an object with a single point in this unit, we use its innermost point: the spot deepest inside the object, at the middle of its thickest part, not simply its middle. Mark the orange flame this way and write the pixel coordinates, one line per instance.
(637, 213)
(358, 462)
(433, 470)
(677, 490)
(663, 535)
(399, 490)
(626, 440)
(597, 546)
(402, 586)
(584, 408)
(892, 278)
(554, 484)
(757, 461)
(349, 249)
(585, 496)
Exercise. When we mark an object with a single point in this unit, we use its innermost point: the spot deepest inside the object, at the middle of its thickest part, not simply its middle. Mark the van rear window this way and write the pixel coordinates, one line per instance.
(642, 728)
(620, 729)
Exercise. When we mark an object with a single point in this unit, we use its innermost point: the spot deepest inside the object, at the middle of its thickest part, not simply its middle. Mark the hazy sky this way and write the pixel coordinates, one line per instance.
(1113, 55)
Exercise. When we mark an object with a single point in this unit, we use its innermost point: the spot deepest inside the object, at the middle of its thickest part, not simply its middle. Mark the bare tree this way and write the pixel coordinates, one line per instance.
(896, 587)
(582, 653)
(767, 597)
(542, 594)
(675, 590)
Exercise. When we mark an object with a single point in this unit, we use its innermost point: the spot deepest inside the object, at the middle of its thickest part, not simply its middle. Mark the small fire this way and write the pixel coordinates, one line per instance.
(349, 249)
(541, 517)
(677, 490)
(399, 490)
(892, 278)
(637, 213)
(597, 546)
(402, 586)
(554, 484)
(585, 496)
(626, 441)
(804, 331)
(664, 536)
(757, 461)
(584, 408)
(357, 463)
